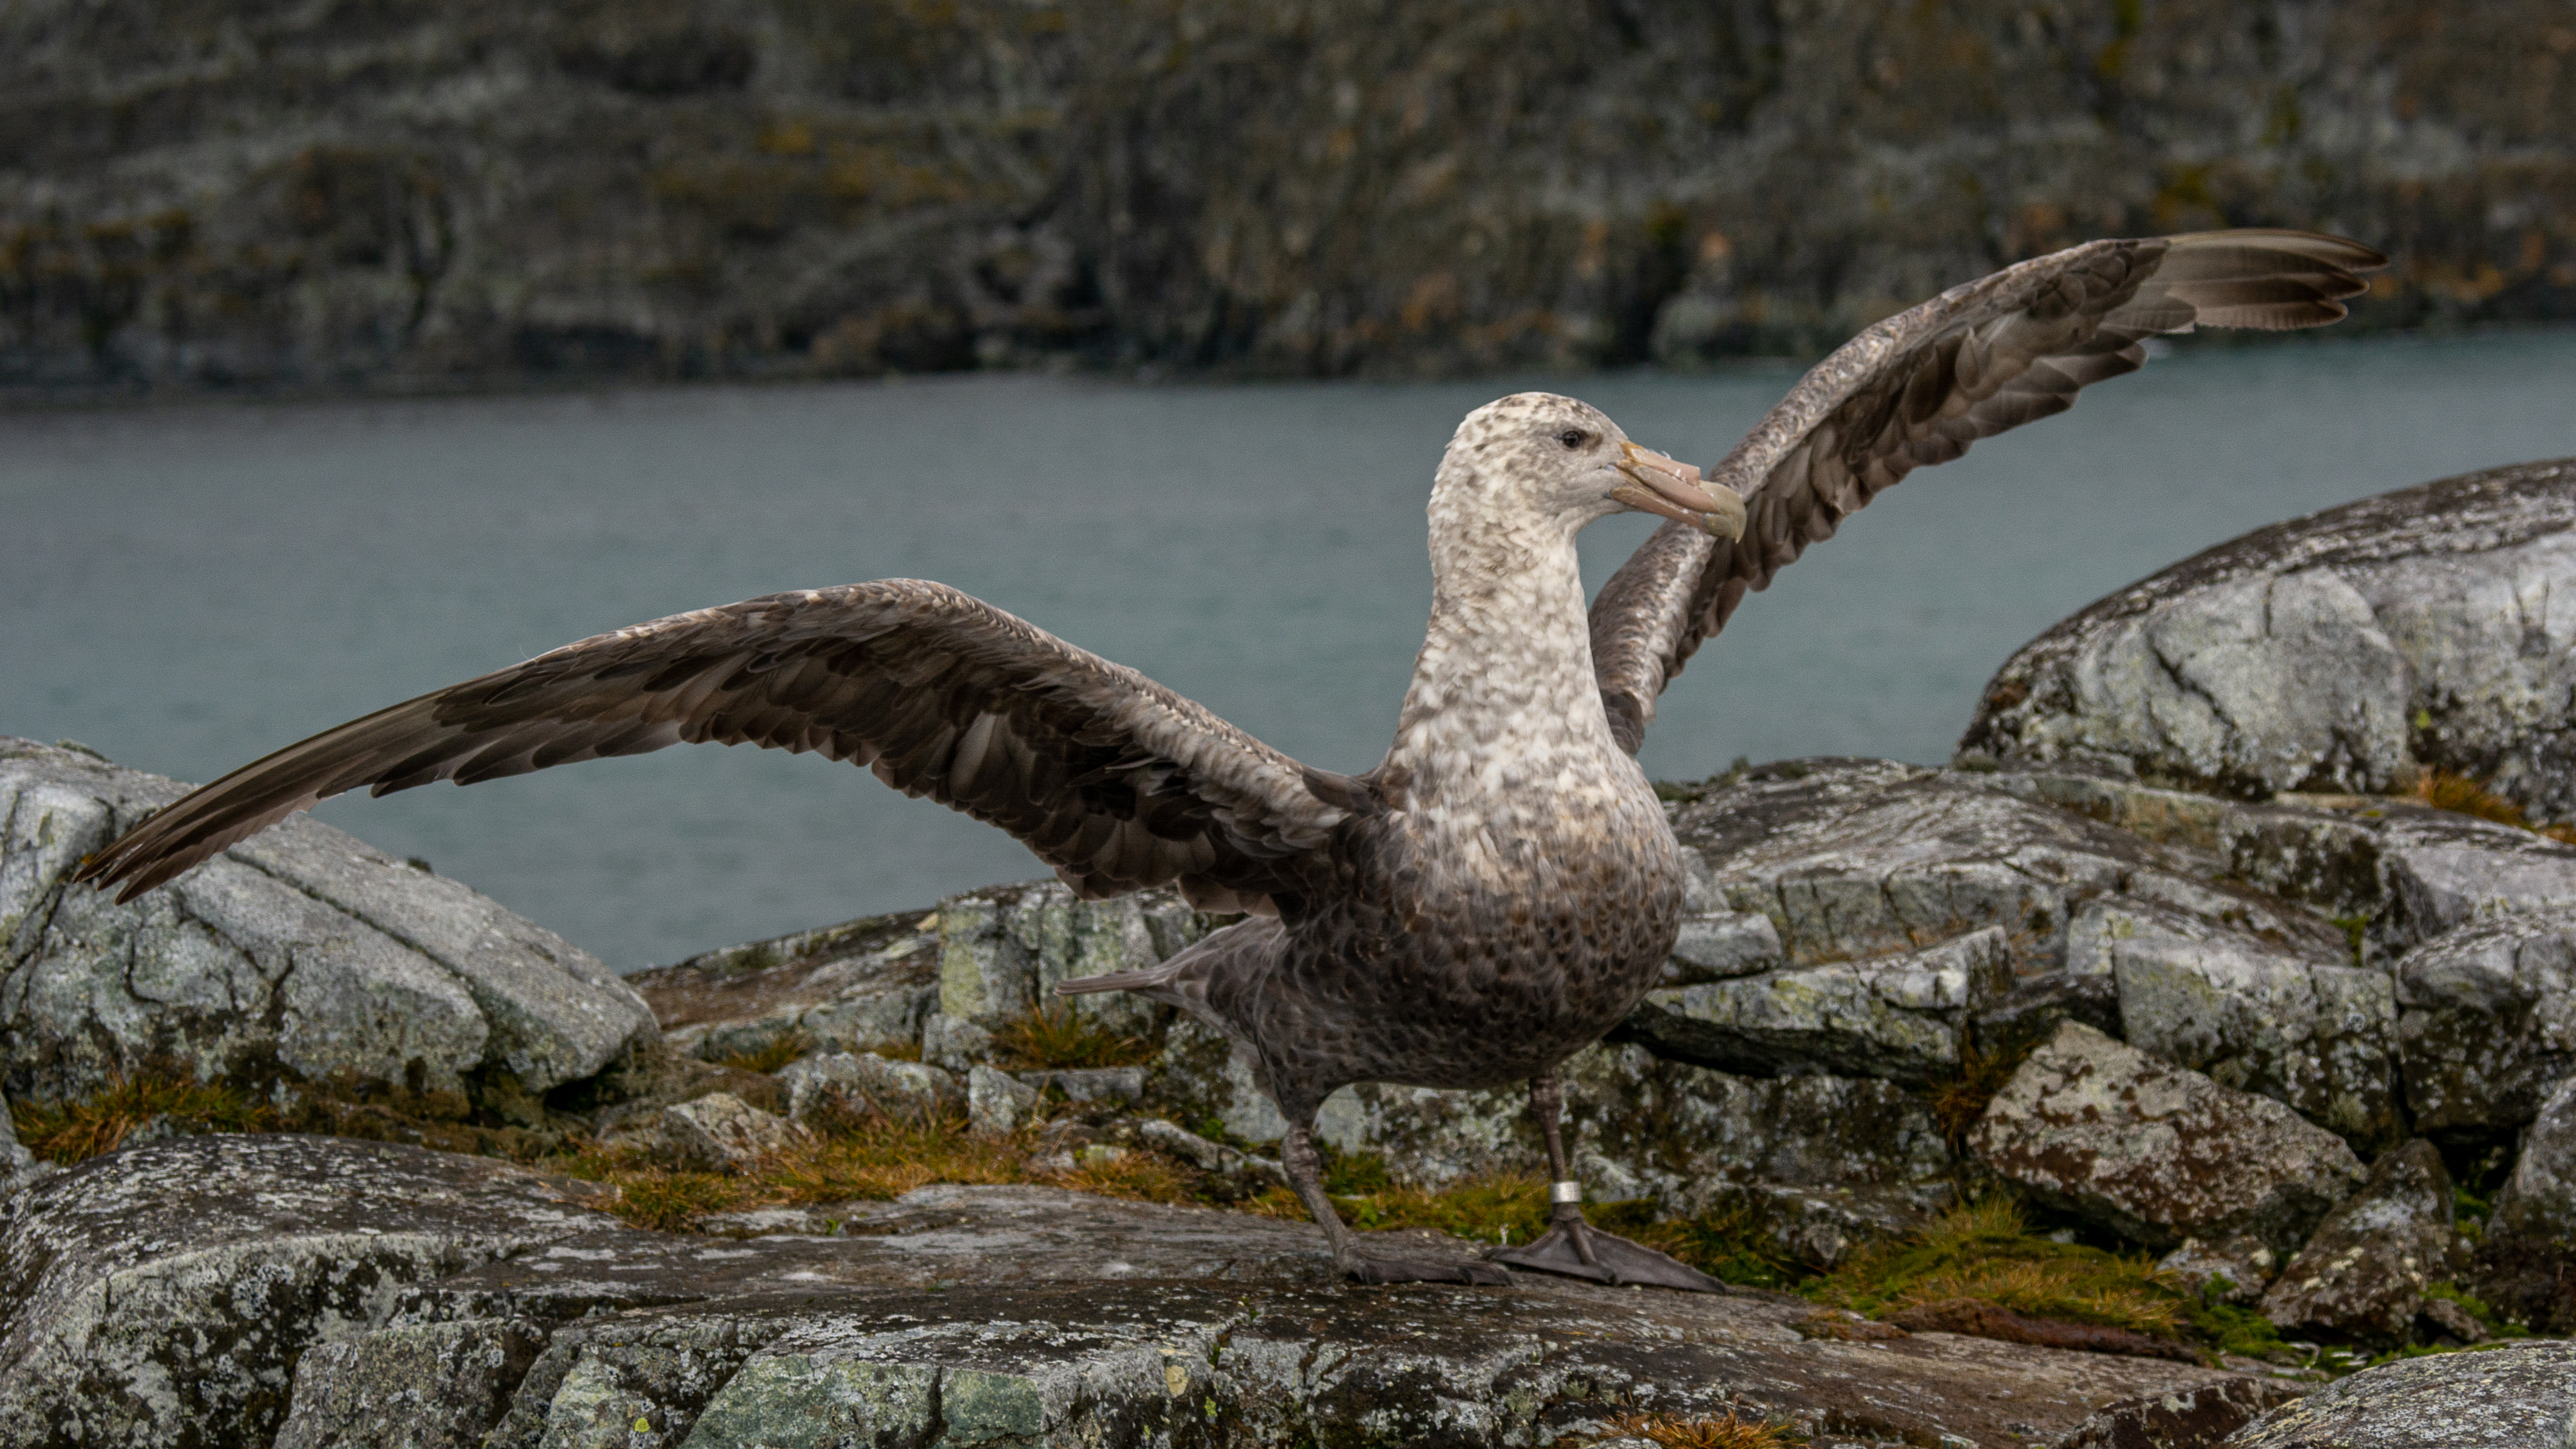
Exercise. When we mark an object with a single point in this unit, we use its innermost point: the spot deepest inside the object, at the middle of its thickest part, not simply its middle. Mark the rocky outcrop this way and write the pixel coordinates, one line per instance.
(2527, 1265)
(2487, 1023)
(185, 1292)
(2363, 1272)
(420, 191)
(298, 955)
(721, 1132)
(2339, 652)
(2157, 1153)
(857, 1083)
(2517, 1396)
(2194, 1418)
(854, 987)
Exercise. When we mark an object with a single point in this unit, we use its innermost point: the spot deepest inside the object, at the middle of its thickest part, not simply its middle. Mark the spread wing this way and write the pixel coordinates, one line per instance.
(1114, 780)
(1921, 386)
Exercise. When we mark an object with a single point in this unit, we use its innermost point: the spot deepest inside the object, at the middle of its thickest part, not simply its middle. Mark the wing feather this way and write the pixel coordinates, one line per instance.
(1917, 390)
(1112, 779)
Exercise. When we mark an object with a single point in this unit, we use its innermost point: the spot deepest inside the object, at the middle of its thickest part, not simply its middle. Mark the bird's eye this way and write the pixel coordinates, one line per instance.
(1573, 438)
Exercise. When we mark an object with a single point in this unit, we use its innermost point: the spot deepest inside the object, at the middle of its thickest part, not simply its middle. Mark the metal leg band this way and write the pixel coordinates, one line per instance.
(1558, 1192)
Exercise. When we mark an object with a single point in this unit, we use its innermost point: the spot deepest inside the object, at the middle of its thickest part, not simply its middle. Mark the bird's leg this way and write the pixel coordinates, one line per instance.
(1305, 1168)
(1571, 1245)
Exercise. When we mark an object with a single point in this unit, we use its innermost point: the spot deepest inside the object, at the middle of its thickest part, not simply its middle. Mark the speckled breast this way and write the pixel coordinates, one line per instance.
(1449, 966)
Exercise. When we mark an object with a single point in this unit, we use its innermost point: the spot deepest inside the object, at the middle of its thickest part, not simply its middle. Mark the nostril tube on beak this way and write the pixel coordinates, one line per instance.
(1672, 489)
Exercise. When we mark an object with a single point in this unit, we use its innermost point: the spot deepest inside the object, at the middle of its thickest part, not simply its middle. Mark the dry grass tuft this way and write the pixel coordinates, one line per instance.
(1959, 1101)
(1055, 1037)
(67, 1132)
(1729, 1431)
(2445, 790)
(782, 1049)
(872, 1158)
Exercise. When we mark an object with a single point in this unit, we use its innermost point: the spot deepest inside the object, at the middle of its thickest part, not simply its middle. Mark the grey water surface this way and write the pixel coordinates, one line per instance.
(187, 587)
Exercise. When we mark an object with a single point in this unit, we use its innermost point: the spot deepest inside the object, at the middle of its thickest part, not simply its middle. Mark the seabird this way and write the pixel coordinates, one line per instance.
(1497, 893)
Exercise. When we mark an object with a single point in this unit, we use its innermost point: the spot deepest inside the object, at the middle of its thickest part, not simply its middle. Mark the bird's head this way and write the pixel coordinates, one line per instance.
(1556, 459)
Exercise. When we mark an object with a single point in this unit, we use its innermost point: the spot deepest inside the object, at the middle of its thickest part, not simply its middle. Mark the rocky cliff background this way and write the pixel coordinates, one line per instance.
(392, 192)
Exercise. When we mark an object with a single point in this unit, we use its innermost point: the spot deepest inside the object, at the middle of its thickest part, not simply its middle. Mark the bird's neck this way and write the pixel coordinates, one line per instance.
(1503, 704)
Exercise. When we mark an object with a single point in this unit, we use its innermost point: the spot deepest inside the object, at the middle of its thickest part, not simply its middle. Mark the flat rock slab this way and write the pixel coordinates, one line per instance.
(2520, 1396)
(306, 1291)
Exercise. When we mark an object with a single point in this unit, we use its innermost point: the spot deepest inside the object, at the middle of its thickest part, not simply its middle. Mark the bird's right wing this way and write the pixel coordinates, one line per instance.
(1114, 780)
(1921, 386)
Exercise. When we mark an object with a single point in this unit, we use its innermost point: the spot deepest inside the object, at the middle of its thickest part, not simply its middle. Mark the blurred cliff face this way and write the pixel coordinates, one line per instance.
(388, 191)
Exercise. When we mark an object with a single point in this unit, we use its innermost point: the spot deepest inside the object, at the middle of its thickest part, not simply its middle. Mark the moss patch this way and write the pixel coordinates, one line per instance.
(1986, 1250)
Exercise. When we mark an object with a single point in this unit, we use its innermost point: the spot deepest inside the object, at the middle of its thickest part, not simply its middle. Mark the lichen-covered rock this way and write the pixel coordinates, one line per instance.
(2516, 1396)
(2336, 652)
(997, 1102)
(1002, 950)
(2486, 1022)
(2159, 1153)
(854, 987)
(1855, 859)
(2527, 1264)
(2304, 1028)
(420, 1386)
(2363, 1272)
(854, 1083)
(163, 1294)
(721, 1132)
(2194, 1417)
(18, 1166)
(1898, 1016)
(471, 1306)
(2244, 1263)
(299, 950)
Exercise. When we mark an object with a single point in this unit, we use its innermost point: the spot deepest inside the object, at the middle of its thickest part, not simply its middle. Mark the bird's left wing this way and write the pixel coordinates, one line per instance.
(1921, 386)
(1114, 780)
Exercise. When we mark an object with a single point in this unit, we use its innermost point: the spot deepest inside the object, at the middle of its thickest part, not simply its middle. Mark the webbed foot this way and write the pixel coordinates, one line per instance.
(1576, 1249)
(1369, 1268)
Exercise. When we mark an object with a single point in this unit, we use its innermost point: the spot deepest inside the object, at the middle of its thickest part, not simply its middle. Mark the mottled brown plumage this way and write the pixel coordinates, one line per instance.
(1497, 893)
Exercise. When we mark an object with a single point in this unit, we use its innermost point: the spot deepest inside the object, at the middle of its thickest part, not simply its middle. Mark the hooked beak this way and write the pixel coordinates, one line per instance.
(1660, 485)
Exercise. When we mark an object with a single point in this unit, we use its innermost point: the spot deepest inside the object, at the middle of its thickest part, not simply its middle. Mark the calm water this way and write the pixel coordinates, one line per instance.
(187, 588)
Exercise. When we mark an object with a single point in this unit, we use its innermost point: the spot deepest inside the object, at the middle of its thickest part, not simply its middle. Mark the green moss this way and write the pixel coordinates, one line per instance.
(1986, 1250)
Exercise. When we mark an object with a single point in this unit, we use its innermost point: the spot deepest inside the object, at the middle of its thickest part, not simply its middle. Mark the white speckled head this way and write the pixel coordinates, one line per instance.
(1533, 458)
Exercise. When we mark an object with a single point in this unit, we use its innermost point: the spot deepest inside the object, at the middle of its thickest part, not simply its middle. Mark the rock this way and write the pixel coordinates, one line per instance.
(2244, 1262)
(1246, 1170)
(1981, 1319)
(164, 1294)
(214, 1290)
(1002, 950)
(2527, 1263)
(721, 1132)
(2515, 1396)
(1896, 1016)
(2193, 1417)
(1719, 945)
(2337, 652)
(861, 1082)
(1818, 1226)
(1856, 859)
(422, 1385)
(1111, 1085)
(2159, 1153)
(998, 1103)
(2305, 1028)
(952, 1043)
(855, 987)
(2363, 1272)
(18, 1166)
(2486, 1023)
(299, 953)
